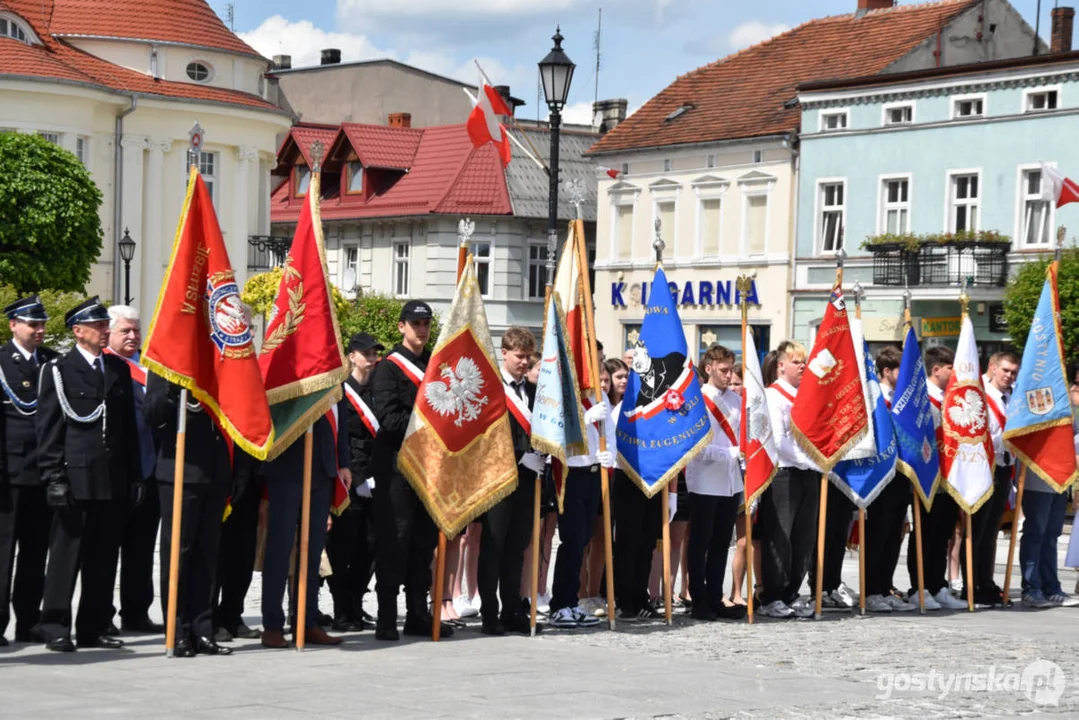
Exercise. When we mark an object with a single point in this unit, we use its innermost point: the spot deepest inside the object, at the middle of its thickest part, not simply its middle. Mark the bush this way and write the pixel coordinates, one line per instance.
(56, 302)
(1024, 290)
(911, 241)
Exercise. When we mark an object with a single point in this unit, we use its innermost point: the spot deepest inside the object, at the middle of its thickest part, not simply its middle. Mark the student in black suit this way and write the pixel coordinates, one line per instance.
(24, 516)
(284, 485)
(207, 478)
(89, 460)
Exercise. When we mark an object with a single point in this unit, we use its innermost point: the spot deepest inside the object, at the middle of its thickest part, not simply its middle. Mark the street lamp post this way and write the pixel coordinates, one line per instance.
(127, 252)
(556, 72)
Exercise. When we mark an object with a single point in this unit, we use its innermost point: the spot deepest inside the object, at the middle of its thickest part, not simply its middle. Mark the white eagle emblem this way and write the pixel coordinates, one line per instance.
(760, 425)
(459, 395)
(968, 411)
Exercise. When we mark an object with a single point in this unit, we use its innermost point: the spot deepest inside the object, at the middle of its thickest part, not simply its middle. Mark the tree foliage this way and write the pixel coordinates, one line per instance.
(1024, 290)
(56, 302)
(50, 231)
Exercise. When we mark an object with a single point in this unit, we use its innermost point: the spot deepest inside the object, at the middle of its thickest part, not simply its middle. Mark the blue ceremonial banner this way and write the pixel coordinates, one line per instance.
(662, 424)
(862, 480)
(557, 415)
(912, 416)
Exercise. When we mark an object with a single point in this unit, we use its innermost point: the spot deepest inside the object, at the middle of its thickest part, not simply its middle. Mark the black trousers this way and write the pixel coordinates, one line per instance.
(405, 540)
(83, 542)
(836, 533)
(137, 556)
(638, 524)
(579, 509)
(884, 520)
(350, 546)
(937, 528)
(985, 528)
(236, 559)
(788, 523)
(712, 519)
(200, 533)
(24, 522)
(506, 530)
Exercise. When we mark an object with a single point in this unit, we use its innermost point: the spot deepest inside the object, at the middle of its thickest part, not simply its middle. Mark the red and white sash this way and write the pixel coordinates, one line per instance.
(340, 491)
(519, 409)
(724, 423)
(995, 408)
(782, 391)
(361, 408)
(138, 372)
(407, 367)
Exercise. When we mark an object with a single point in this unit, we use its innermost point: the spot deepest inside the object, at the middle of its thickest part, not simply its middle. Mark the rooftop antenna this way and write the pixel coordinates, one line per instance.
(230, 13)
(596, 45)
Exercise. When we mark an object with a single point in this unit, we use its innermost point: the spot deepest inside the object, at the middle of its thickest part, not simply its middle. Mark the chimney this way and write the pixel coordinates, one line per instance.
(504, 92)
(282, 62)
(611, 113)
(865, 6)
(331, 56)
(400, 120)
(1063, 18)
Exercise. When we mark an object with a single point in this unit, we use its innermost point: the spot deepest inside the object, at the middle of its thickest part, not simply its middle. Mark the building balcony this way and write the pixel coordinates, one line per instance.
(940, 262)
(266, 252)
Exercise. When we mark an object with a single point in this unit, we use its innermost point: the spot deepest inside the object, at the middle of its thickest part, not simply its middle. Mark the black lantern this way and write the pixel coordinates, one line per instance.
(127, 252)
(556, 72)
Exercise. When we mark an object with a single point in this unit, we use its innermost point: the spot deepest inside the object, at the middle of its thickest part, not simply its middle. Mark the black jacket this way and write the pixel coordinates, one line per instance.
(325, 463)
(360, 440)
(206, 457)
(100, 459)
(522, 440)
(18, 454)
(394, 396)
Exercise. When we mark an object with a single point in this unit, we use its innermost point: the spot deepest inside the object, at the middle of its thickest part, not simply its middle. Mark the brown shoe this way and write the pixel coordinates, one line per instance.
(274, 639)
(317, 636)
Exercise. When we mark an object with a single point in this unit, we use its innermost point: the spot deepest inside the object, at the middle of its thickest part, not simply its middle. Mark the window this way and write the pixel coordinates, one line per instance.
(899, 115)
(625, 168)
(968, 107)
(355, 178)
(758, 155)
(537, 271)
(831, 121)
(349, 277)
(81, 146)
(665, 215)
(832, 207)
(756, 223)
(710, 161)
(481, 255)
(208, 169)
(667, 165)
(895, 206)
(52, 137)
(709, 227)
(400, 269)
(303, 180)
(1036, 210)
(964, 202)
(1041, 101)
(199, 71)
(623, 228)
(10, 28)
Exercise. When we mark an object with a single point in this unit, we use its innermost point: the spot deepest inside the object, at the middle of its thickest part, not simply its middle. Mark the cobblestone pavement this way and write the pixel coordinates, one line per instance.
(944, 665)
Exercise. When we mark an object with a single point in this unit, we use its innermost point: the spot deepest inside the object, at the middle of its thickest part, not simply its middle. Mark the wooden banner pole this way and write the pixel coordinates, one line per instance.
(177, 523)
(299, 625)
(821, 518)
(970, 563)
(1016, 517)
(749, 565)
(918, 551)
(861, 561)
(668, 591)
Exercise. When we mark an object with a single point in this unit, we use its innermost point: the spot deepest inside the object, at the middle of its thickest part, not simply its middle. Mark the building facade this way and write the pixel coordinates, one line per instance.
(933, 178)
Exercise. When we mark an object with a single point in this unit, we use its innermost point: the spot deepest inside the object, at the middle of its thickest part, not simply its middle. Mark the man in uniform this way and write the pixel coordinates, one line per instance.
(405, 535)
(24, 516)
(89, 461)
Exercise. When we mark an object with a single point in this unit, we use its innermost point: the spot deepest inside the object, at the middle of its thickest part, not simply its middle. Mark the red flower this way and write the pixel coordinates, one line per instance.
(673, 400)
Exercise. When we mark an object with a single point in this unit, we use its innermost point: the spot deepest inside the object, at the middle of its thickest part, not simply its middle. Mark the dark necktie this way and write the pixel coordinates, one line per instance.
(99, 374)
(1004, 398)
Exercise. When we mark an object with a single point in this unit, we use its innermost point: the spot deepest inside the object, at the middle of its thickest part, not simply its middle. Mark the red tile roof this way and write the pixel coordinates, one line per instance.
(445, 175)
(744, 94)
(304, 136)
(58, 61)
(383, 147)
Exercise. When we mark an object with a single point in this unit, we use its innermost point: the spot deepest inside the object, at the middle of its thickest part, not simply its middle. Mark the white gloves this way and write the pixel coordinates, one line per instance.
(364, 489)
(734, 452)
(605, 457)
(597, 413)
(532, 461)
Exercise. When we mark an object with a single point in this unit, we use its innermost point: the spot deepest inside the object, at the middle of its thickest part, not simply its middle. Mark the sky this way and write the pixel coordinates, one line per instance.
(645, 44)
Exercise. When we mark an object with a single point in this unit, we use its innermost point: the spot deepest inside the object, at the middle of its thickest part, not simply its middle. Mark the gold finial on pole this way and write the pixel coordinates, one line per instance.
(964, 298)
(576, 191)
(857, 291)
(465, 229)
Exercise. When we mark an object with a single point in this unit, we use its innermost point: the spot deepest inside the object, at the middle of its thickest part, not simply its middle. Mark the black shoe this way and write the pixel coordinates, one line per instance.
(142, 625)
(323, 620)
(104, 641)
(221, 635)
(492, 627)
(367, 617)
(731, 612)
(183, 648)
(28, 636)
(243, 632)
(3, 641)
(347, 624)
(520, 624)
(206, 646)
(421, 626)
(703, 612)
(112, 630)
(387, 632)
(60, 644)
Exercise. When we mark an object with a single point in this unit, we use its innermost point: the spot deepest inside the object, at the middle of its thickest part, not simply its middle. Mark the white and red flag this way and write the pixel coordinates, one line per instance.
(966, 452)
(483, 125)
(612, 173)
(756, 441)
(1057, 188)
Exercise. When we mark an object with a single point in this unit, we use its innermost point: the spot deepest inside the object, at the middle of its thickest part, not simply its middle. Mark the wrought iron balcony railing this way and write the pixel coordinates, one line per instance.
(985, 264)
(265, 252)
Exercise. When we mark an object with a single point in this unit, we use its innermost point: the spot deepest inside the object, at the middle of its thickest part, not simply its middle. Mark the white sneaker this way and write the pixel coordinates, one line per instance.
(898, 604)
(599, 607)
(587, 605)
(1064, 600)
(877, 604)
(584, 619)
(543, 603)
(844, 597)
(956, 586)
(563, 618)
(948, 601)
(777, 609)
(803, 608)
(465, 607)
(1035, 599)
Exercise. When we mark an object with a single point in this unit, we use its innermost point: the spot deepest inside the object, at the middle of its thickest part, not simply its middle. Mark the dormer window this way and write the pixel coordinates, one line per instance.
(303, 180)
(354, 177)
(200, 71)
(9, 27)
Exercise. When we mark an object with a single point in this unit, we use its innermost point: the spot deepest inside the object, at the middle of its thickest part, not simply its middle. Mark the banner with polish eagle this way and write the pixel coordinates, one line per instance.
(966, 453)
(483, 125)
(755, 437)
(458, 450)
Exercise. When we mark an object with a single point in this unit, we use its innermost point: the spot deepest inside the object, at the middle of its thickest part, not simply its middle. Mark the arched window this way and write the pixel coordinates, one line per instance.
(12, 28)
(199, 71)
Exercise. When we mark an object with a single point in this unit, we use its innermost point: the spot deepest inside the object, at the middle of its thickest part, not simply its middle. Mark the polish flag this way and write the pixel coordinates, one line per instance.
(483, 126)
(611, 172)
(1056, 187)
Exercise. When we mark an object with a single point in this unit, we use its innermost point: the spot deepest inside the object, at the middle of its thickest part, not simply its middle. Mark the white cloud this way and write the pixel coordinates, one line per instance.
(578, 113)
(753, 32)
(304, 42)
(406, 8)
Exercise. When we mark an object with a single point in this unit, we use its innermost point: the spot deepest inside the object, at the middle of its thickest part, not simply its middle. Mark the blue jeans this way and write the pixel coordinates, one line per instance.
(1043, 521)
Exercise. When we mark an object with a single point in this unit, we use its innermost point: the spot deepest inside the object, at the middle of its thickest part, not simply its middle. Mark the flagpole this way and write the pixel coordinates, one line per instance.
(857, 291)
(744, 284)
(537, 494)
(658, 244)
(592, 356)
(299, 623)
(177, 512)
(964, 302)
(907, 324)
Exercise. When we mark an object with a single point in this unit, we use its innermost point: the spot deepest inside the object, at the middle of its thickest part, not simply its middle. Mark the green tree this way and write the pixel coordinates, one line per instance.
(1024, 290)
(50, 231)
(56, 302)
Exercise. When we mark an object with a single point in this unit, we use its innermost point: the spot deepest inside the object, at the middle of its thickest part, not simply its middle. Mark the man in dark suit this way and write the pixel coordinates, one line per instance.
(236, 550)
(507, 527)
(89, 461)
(284, 485)
(24, 516)
(207, 476)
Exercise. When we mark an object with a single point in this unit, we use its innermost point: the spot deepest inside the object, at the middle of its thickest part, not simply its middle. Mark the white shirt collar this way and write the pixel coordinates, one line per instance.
(508, 379)
(787, 386)
(26, 354)
(934, 391)
(90, 358)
